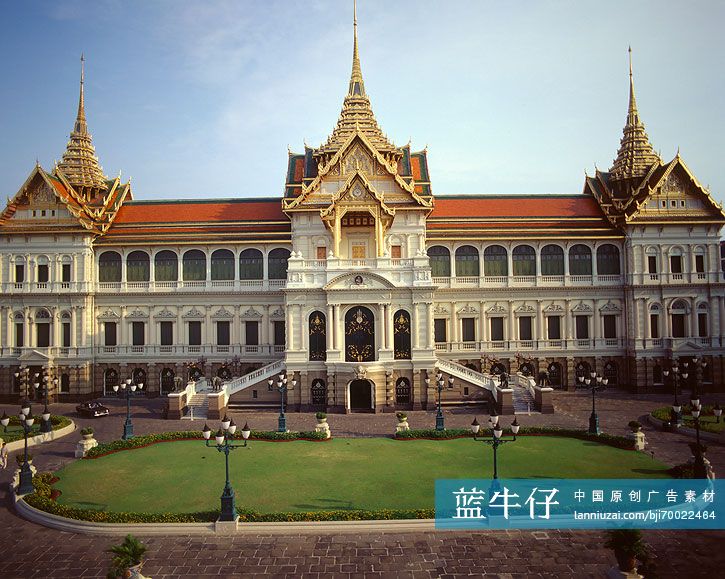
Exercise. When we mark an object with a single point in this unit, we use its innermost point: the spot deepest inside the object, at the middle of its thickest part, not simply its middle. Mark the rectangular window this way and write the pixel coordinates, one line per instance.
(468, 327)
(582, 327)
(19, 273)
(497, 329)
(251, 333)
(66, 273)
(652, 263)
(702, 325)
(222, 334)
(657, 375)
(43, 335)
(676, 264)
(395, 251)
(65, 384)
(358, 251)
(700, 263)
(439, 330)
(525, 328)
(167, 333)
(610, 326)
(322, 252)
(654, 325)
(137, 331)
(254, 394)
(195, 333)
(66, 335)
(109, 333)
(43, 273)
(279, 333)
(678, 325)
(19, 336)
(553, 328)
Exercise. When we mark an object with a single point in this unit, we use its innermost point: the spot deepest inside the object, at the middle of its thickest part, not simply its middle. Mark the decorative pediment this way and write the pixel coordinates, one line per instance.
(468, 309)
(137, 313)
(109, 314)
(277, 314)
(251, 314)
(357, 159)
(359, 281)
(222, 313)
(194, 313)
(525, 309)
(164, 314)
(497, 309)
(440, 309)
(553, 308)
(582, 307)
(610, 307)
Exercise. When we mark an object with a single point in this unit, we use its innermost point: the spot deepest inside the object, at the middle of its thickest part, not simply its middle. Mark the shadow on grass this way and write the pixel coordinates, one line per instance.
(327, 505)
(649, 471)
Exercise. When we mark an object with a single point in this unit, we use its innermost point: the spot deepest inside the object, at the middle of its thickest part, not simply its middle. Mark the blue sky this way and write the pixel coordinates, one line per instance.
(201, 99)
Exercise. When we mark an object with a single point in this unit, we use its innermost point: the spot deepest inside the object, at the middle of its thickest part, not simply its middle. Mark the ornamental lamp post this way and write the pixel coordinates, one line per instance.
(224, 442)
(595, 382)
(440, 384)
(699, 467)
(23, 376)
(717, 411)
(25, 485)
(495, 440)
(282, 388)
(5, 420)
(129, 387)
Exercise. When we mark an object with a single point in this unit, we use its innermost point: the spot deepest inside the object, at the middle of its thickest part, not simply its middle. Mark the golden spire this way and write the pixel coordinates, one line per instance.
(357, 114)
(80, 164)
(635, 155)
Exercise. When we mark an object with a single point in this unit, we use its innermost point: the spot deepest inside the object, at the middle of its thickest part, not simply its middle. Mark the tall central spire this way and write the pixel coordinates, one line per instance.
(80, 165)
(357, 114)
(635, 155)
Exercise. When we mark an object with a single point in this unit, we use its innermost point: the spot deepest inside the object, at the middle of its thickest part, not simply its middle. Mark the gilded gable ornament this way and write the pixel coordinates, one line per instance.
(468, 309)
(251, 313)
(582, 307)
(223, 313)
(525, 308)
(42, 195)
(440, 309)
(165, 313)
(553, 308)
(109, 314)
(357, 160)
(497, 309)
(137, 313)
(194, 313)
(610, 307)
(673, 184)
(277, 314)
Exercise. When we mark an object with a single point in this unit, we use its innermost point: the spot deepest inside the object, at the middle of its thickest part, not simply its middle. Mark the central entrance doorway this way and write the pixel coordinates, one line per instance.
(361, 396)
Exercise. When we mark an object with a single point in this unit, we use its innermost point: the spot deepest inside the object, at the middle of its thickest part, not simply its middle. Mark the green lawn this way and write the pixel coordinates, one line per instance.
(708, 422)
(362, 473)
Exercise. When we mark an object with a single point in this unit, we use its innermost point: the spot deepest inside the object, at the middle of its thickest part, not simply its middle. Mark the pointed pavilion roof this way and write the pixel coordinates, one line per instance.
(635, 155)
(79, 164)
(357, 114)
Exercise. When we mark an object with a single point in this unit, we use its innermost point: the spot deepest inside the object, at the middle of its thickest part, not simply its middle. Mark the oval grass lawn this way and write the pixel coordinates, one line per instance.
(352, 473)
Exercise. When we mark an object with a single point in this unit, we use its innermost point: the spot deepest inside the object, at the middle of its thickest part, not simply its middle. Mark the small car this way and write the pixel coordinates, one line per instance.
(92, 409)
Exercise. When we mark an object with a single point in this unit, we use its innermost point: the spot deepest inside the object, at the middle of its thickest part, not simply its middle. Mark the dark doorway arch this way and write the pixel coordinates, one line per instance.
(167, 381)
(584, 370)
(527, 369)
(194, 373)
(359, 335)
(555, 375)
(318, 336)
(318, 395)
(402, 392)
(497, 369)
(610, 373)
(110, 379)
(224, 372)
(361, 396)
(401, 335)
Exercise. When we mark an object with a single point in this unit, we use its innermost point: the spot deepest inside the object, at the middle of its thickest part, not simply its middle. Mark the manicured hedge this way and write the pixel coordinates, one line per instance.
(41, 499)
(56, 421)
(608, 439)
(148, 439)
(664, 413)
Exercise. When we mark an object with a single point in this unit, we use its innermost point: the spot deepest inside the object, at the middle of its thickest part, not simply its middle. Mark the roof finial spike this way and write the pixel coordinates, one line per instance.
(357, 87)
(81, 126)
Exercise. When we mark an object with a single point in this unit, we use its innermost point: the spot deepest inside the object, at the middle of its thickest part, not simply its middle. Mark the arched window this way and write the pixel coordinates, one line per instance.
(166, 266)
(527, 369)
(467, 262)
(359, 335)
(42, 328)
(222, 265)
(555, 375)
(251, 264)
(139, 376)
(583, 370)
(318, 392)
(401, 335)
(402, 391)
(109, 267)
(167, 380)
(194, 266)
(524, 258)
(495, 261)
(552, 260)
(607, 259)
(318, 336)
(610, 373)
(580, 260)
(497, 369)
(137, 266)
(277, 263)
(440, 261)
(110, 379)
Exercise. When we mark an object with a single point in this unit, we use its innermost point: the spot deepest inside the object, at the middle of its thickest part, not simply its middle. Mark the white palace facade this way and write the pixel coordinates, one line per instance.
(358, 282)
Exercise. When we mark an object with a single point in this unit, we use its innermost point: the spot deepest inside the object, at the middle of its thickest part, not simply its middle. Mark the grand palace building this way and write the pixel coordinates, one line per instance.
(358, 283)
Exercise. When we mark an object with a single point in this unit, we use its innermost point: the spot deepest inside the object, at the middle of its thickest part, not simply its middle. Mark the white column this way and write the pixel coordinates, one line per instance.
(540, 335)
(209, 327)
(381, 332)
(338, 329)
(597, 320)
(330, 328)
(647, 322)
(455, 329)
(430, 326)
(693, 319)
(300, 325)
(416, 326)
(568, 321)
(55, 320)
(264, 330)
(304, 331)
(512, 323)
(668, 320)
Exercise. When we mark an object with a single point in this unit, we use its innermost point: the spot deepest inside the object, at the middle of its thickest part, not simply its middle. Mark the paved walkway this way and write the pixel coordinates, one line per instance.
(29, 550)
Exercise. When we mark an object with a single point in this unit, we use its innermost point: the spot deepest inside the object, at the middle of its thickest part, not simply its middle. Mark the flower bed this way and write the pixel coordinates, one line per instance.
(44, 499)
(57, 422)
(708, 422)
(608, 439)
(149, 439)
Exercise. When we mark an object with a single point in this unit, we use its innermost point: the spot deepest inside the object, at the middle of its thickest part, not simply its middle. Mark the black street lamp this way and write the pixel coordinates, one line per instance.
(699, 468)
(440, 384)
(282, 389)
(224, 439)
(595, 382)
(717, 411)
(42, 386)
(496, 439)
(23, 376)
(5, 420)
(26, 476)
(676, 406)
(129, 387)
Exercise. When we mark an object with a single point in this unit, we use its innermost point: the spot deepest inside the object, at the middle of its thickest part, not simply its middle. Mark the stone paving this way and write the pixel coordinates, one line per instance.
(29, 550)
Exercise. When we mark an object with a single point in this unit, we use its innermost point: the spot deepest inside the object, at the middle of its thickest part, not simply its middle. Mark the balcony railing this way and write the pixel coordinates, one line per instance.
(488, 281)
(182, 349)
(244, 285)
(531, 345)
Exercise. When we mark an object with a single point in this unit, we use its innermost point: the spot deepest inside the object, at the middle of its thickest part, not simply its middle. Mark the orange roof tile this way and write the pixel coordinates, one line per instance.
(137, 212)
(494, 206)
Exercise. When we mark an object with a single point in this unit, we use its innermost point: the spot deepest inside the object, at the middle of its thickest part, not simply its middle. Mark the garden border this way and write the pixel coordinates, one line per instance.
(687, 431)
(41, 438)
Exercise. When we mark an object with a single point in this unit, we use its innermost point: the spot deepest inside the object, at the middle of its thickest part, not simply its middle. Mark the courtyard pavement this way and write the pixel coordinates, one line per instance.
(30, 550)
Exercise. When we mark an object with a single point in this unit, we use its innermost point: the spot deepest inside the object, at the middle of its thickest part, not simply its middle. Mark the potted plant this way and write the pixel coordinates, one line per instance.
(87, 432)
(635, 425)
(628, 546)
(128, 558)
(321, 417)
(401, 416)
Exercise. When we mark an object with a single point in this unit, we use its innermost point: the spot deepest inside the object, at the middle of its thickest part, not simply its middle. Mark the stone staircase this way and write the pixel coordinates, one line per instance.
(523, 401)
(197, 408)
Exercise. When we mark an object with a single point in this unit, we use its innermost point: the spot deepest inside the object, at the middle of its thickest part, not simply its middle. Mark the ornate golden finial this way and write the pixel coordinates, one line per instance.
(357, 86)
(635, 155)
(80, 164)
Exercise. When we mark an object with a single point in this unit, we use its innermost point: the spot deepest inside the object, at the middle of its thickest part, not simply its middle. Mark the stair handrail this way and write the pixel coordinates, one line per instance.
(527, 382)
(464, 372)
(242, 382)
